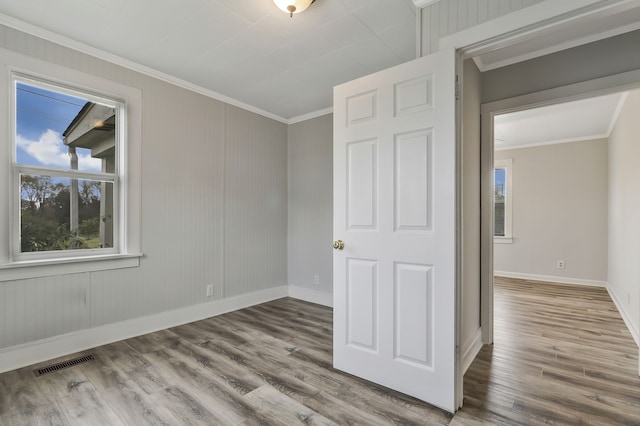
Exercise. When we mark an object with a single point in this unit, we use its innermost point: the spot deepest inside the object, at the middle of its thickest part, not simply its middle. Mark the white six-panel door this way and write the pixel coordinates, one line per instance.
(394, 208)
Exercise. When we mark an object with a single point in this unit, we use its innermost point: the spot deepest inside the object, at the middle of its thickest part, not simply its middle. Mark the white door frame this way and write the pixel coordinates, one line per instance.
(525, 24)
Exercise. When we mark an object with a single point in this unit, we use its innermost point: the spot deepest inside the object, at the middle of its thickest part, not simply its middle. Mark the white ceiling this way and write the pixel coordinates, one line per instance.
(566, 122)
(247, 50)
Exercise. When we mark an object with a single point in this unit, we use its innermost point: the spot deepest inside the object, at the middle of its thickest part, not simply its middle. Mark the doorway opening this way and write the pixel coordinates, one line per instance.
(556, 188)
(551, 186)
(559, 203)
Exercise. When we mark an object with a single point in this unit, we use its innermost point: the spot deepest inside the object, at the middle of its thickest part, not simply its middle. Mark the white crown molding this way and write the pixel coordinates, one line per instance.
(424, 3)
(552, 142)
(616, 113)
(310, 115)
(33, 30)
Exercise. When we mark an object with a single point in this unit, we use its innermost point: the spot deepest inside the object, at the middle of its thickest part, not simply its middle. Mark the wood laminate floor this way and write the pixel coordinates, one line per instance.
(562, 355)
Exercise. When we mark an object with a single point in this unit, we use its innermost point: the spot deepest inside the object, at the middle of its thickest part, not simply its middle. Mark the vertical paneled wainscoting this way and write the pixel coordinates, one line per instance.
(40, 308)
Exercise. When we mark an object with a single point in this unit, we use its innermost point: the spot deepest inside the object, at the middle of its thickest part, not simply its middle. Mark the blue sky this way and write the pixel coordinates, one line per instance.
(499, 178)
(41, 118)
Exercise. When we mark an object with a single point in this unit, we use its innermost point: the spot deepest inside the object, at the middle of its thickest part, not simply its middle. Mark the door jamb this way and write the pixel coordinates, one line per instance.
(459, 374)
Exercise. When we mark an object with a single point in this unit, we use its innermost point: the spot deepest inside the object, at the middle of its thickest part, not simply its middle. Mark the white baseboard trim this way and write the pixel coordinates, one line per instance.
(66, 344)
(625, 317)
(551, 279)
(470, 349)
(324, 298)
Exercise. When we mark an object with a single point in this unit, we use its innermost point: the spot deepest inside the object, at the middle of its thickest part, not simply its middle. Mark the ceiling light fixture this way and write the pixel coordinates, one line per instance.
(293, 6)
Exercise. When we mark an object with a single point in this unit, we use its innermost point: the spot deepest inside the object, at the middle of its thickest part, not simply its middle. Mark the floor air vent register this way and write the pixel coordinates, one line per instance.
(62, 365)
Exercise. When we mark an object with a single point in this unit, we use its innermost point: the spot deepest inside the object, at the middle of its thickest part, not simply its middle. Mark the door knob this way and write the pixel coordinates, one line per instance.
(338, 245)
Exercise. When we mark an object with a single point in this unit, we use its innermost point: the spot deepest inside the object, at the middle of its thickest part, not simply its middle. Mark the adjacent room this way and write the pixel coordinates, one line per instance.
(561, 323)
(275, 212)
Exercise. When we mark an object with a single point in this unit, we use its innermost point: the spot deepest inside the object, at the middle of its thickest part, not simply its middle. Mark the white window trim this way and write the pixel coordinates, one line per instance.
(502, 240)
(19, 169)
(508, 205)
(130, 180)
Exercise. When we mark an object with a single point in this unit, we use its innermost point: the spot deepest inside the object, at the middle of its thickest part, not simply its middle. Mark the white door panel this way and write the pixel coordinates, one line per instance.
(394, 208)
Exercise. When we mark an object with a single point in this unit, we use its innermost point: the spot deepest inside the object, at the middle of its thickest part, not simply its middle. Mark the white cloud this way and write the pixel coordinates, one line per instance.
(49, 150)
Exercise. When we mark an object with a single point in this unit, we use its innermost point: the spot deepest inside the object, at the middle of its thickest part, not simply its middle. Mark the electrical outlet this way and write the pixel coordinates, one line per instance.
(560, 264)
(209, 290)
(316, 280)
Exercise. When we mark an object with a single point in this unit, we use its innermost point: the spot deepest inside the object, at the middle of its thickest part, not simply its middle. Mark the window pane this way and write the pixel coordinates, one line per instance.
(56, 130)
(64, 214)
(499, 198)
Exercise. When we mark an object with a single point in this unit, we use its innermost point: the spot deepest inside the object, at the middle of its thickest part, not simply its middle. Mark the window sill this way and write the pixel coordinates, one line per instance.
(502, 240)
(49, 267)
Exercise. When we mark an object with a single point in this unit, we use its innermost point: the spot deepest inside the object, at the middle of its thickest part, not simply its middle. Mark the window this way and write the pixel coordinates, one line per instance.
(70, 172)
(66, 145)
(502, 201)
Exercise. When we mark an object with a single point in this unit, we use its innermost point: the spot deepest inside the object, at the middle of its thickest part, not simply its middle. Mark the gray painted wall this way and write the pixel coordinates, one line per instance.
(587, 62)
(559, 212)
(470, 202)
(624, 211)
(214, 211)
(311, 203)
(255, 240)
